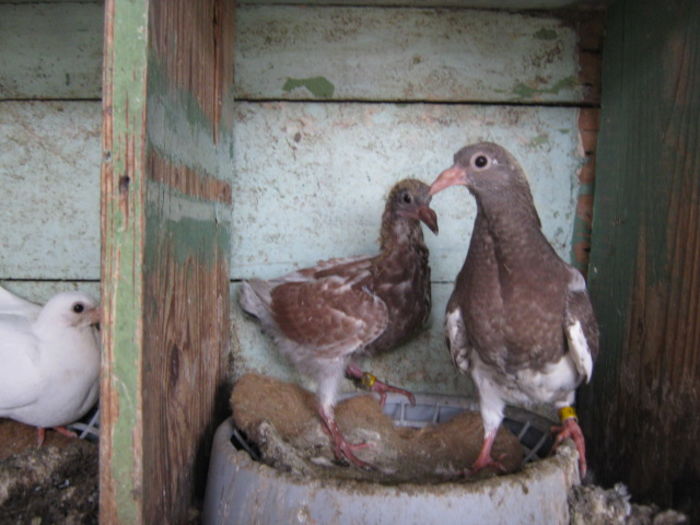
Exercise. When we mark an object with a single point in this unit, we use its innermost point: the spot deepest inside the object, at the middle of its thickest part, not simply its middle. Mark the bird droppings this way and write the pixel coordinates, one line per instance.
(593, 505)
(282, 421)
(57, 483)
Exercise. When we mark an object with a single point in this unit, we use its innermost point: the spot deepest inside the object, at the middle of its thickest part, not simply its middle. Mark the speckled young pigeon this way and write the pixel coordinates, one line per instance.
(50, 358)
(519, 318)
(321, 317)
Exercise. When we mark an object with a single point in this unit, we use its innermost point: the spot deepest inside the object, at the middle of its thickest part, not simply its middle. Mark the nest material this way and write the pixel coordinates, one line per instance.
(281, 419)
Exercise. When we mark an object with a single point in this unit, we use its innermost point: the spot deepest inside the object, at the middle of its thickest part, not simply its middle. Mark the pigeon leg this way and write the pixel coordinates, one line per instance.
(65, 432)
(571, 429)
(341, 448)
(41, 434)
(371, 382)
(485, 460)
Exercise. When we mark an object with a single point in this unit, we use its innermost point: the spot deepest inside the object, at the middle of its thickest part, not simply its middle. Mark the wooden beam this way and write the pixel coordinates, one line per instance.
(166, 251)
(640, 411)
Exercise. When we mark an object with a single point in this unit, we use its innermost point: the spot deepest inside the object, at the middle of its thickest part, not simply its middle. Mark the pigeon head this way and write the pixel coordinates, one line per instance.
(483, 168)
(70, 309)
(410, 198)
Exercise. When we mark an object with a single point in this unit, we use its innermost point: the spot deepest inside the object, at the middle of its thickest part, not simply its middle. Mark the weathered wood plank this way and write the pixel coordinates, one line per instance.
(409, 54)
(639, 413)
(295, 167)
(310, 179)
(484, 4)
(166, 225)
(49, 173)
(41, 291)
(51, 51)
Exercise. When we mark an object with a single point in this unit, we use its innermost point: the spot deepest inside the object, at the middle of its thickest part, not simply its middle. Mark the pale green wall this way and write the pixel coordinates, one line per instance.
(309, 175)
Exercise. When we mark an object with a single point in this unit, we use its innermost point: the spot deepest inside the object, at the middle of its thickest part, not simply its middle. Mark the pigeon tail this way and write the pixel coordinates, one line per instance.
(255, 299)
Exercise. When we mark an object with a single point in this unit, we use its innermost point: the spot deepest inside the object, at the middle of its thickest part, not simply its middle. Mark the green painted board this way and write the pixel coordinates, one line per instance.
(51, 50)
(50, 177)
(310, 179)
(166, 242)
(41, 291)
(338, 53)
(296, 166)
(54, 50)
(640, 411)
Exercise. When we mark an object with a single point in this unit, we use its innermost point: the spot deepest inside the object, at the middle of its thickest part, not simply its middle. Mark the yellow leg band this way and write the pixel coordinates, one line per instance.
(567, 413)
(368, 379)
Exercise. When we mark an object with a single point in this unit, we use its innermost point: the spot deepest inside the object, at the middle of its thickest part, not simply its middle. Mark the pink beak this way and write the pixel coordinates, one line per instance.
(94, 315)
(450, 177)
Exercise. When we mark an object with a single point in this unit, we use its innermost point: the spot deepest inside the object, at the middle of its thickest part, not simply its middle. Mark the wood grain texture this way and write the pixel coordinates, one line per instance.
(406, 54)
(51, 51)
(166, 230)
(639, 413)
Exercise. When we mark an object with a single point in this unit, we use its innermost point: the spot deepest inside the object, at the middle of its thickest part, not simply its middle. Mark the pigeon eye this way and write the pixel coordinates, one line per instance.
(407, 198)
(78, 308)
(481, 161)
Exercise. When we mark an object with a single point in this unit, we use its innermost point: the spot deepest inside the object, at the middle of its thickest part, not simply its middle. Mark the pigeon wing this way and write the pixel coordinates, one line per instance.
(331, 317)
(19, 378)
(580, 326)
(11, 304)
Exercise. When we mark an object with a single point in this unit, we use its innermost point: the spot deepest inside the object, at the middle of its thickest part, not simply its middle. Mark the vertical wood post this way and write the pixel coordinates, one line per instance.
(640, 412)
(166, 198)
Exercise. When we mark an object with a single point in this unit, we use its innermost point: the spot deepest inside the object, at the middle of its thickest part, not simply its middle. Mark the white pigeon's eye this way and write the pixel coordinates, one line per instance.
(78, 308)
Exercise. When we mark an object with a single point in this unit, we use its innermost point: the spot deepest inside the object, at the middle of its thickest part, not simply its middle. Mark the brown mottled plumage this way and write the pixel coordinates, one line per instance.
(321, 316)
(519, 318)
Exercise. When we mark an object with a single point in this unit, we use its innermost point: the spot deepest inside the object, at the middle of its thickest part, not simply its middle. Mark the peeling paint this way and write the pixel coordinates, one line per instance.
(319, 87)
(540, 139)
(523, 91)
(545, 34)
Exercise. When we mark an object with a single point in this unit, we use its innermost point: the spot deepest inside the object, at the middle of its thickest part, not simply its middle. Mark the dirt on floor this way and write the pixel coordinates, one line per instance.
(281, 419)
(57, 483)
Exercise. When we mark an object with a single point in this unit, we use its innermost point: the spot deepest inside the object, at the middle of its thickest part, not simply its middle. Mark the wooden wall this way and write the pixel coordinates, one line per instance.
(640, 412)
(50, 86)
(334, 104)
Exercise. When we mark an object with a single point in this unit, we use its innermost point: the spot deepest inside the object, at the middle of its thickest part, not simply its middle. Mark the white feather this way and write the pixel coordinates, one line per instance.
(50, 361)
(580, 352)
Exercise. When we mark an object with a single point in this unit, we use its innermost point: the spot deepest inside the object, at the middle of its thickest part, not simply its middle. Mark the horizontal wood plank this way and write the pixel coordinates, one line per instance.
(338, 53)
(54, 51)
(49, 173)
(41, 291)
(310, 179)
(51, 50)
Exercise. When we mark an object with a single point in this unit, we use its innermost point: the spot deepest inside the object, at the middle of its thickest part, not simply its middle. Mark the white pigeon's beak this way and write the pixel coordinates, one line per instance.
(450, 177)
(92, 316)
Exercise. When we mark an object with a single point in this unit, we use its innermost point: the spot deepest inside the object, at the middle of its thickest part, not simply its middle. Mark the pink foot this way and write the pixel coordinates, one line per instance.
(571, 429)
(341, 448)
(41, 434)
(371, 382)
(485, 459)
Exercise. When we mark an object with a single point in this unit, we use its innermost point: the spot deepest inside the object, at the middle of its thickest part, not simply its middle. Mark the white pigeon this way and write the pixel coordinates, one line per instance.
(50, 360)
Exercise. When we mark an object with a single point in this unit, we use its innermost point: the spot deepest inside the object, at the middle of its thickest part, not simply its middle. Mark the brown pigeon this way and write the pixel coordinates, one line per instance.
(519, 318)
(323, 316)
